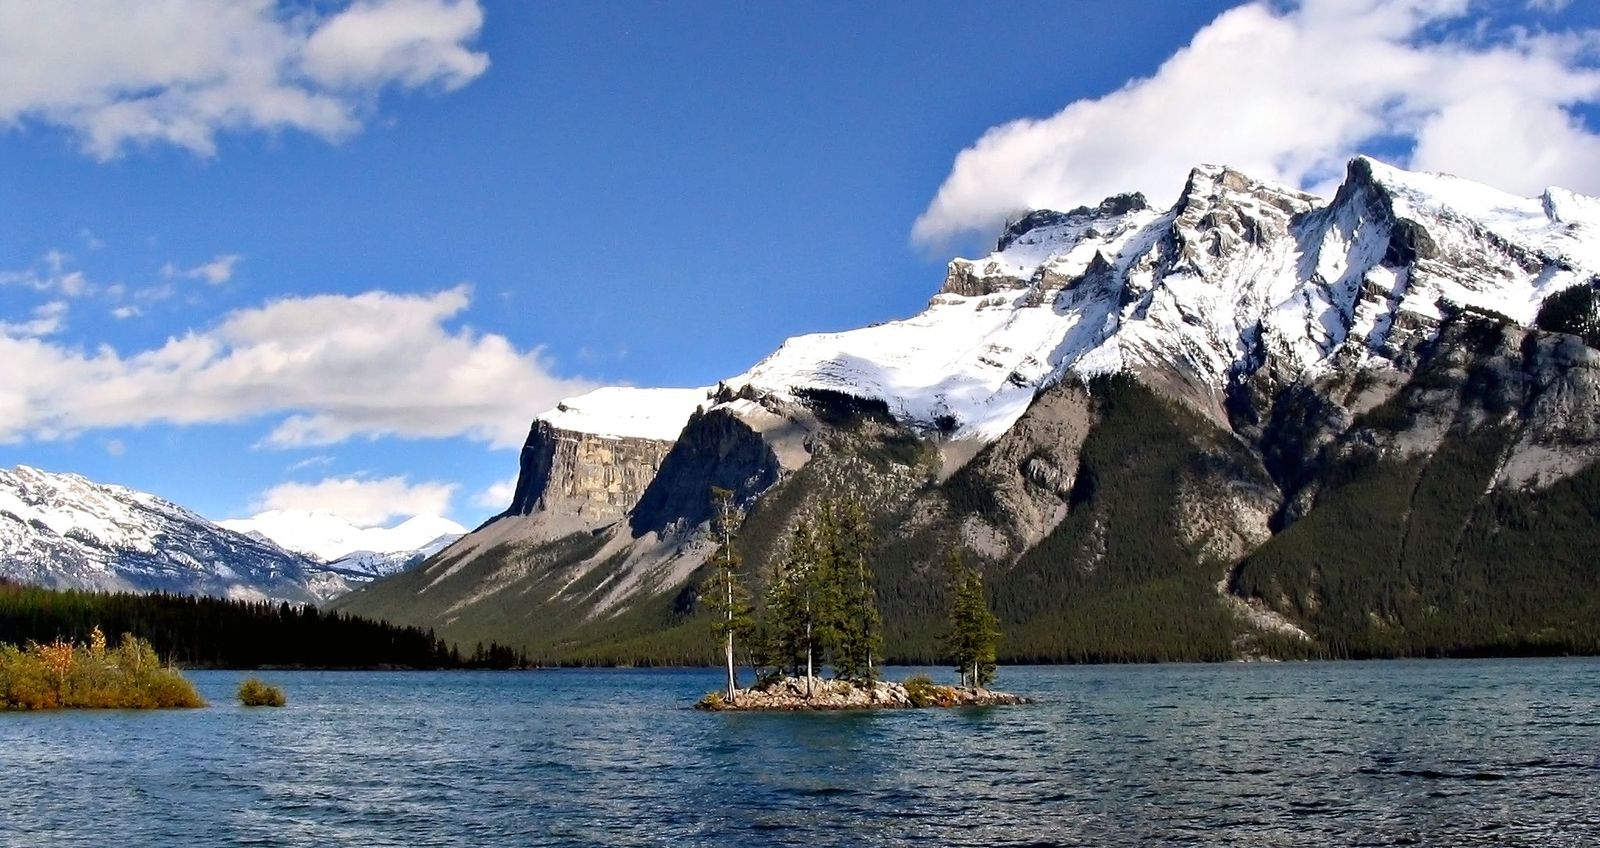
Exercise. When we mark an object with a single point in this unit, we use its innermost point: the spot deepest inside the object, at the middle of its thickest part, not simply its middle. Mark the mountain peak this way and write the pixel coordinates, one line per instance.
(1114, 206)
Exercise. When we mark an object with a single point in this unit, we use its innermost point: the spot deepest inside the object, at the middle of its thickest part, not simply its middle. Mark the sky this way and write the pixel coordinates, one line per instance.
(337, 255)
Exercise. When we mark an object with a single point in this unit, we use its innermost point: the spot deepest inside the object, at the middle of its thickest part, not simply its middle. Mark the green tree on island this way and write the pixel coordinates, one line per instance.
(820, 602)
(792, 619)
(857, 628)
(724, 592)
(974, 631)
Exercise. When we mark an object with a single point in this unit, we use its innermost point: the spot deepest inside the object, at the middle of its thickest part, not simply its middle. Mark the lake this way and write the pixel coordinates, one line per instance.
(1492, 752)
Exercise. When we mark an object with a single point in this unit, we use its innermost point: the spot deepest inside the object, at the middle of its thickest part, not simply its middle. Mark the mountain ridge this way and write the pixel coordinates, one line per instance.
(1293, 346)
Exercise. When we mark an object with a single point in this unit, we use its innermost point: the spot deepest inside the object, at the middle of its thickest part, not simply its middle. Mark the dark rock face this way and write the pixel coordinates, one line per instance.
(716, 449)
(533, 476)
(965, 279)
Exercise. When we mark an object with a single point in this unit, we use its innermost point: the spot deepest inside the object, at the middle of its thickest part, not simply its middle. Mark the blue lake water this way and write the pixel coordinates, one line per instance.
(1383, 753)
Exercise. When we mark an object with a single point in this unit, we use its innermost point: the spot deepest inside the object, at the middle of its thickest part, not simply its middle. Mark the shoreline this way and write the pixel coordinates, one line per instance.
(798, 694)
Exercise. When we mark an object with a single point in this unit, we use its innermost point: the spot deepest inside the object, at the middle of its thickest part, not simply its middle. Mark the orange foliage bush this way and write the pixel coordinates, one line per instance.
(67, 675)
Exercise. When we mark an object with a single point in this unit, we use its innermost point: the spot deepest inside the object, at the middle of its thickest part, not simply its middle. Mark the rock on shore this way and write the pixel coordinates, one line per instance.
(790, 693)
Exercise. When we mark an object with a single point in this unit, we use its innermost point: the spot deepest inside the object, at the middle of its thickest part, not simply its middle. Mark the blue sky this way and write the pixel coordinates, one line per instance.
(556, 196)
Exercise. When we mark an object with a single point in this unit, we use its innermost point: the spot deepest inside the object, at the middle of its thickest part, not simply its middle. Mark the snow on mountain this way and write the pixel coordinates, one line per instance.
(328, 537)
(624, 412)
(368, 565)
(64, 531)
(1236, 270)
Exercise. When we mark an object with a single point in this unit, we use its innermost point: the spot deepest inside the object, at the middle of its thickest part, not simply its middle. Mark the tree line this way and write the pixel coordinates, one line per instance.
(216, 632)
(820, 605)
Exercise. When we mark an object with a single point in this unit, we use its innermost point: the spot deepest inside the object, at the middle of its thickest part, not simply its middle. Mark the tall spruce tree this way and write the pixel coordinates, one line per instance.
(724, 592)
(820, 603)
(791, 623)
(974, 631)
(858, 629)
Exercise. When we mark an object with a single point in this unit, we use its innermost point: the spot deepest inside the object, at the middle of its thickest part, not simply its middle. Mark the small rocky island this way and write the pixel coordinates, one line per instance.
(791, 694)
(820, 604)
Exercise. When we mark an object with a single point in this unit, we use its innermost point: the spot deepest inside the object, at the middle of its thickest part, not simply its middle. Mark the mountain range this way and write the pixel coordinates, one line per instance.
(64, 531)
(1255, 422)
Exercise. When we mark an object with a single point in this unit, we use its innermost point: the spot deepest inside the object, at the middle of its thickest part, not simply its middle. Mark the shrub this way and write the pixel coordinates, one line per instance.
(923, 692)
(255, 693)
(712, 701)
(66, 675)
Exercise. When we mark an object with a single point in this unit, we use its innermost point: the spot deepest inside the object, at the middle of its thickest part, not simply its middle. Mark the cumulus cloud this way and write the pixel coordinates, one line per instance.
(1288, 93)
(362, 502)
(179, 72)
(498, 495)
(368, 365)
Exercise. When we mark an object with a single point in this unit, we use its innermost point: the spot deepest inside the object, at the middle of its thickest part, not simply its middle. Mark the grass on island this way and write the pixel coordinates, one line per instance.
(255, 693)
(69, 675)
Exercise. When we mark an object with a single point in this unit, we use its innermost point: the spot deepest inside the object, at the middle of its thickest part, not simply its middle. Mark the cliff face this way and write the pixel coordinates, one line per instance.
(716, 450)
(593, 477)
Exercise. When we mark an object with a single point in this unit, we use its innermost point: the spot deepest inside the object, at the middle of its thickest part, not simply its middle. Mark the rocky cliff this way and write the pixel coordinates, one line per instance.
(593, 478)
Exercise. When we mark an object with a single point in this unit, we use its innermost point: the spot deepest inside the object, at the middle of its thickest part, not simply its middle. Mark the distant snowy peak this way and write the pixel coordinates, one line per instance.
(624, 412)
(367, 565)
(64, 531)
(327, 537)
(1237, 270)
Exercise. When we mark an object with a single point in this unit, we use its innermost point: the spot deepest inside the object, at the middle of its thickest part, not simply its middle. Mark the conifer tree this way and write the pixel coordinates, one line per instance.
(858, 630)
(791, 609)
(974, 630)
(724, 591)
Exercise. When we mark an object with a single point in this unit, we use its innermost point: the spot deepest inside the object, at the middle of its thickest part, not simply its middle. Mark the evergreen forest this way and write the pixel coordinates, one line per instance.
(216, 633)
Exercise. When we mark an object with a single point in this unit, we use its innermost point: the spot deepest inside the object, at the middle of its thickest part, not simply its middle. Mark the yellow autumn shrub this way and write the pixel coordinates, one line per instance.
(67, 675)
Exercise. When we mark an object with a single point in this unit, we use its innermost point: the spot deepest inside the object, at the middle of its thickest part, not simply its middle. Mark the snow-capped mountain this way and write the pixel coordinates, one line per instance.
(361, 552)
(64, 531)
(1408, 362)
(1237, 270)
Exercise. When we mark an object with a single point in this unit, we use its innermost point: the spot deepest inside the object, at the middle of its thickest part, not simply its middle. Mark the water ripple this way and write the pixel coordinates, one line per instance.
(1501, 753)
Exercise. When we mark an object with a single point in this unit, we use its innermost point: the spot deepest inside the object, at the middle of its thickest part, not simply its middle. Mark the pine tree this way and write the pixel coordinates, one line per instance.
(974, 630)
(724, 591)
(791, 622)
(858, 629)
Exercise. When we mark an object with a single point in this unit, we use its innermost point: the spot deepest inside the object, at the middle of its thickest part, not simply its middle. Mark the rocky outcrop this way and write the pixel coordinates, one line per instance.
(715, 450)
(792, 694)
(597, 478)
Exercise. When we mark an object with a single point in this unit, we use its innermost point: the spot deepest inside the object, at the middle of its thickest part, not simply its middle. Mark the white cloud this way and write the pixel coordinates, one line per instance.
(47, 320)
(498, 495)
(115, 447)
(179, 72)
(50, 275)
(216, 272)
(369, 365)
(125, 312)
(411, 42)
(317, 461)
(362, 502)
(1289, 94)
